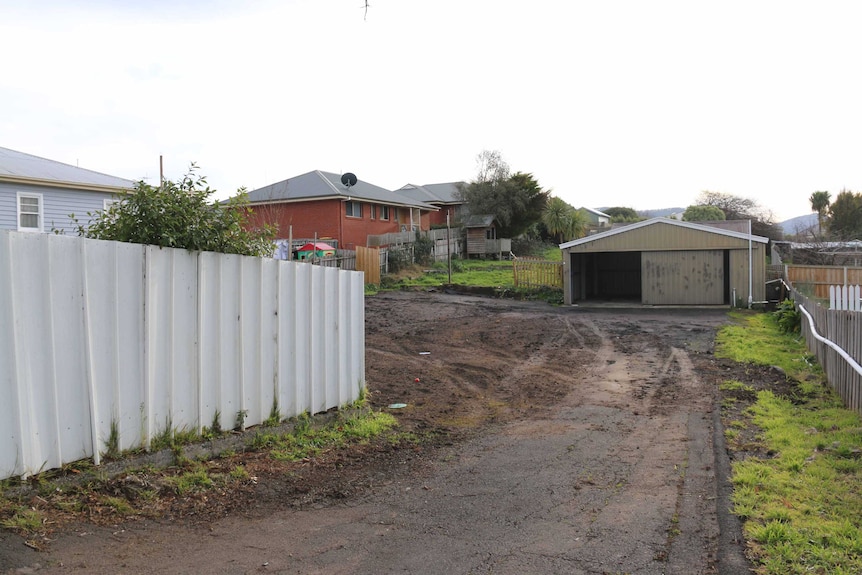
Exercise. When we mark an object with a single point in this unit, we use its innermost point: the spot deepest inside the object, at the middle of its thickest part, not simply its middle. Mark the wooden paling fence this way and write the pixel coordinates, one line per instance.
(845, 298)
(815, 280)
(835, 336)
(531, 272)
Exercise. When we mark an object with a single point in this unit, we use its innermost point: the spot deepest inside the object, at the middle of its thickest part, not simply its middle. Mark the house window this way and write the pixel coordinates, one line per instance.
(373, 209)
(491, 234)
(394, 214)
(384, 212)
(29, 212)
(354, 209)
(106, 204)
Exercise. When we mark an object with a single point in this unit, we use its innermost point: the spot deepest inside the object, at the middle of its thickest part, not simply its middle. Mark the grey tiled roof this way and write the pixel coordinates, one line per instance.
(326, 185)
(20, 165)
(447, 193)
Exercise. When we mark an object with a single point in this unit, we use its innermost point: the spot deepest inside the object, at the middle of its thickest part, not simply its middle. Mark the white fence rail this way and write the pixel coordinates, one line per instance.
(845, 298)
(95, 335)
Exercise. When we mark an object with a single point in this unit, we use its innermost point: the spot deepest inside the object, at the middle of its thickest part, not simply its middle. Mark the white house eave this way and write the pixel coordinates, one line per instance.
(653, 221)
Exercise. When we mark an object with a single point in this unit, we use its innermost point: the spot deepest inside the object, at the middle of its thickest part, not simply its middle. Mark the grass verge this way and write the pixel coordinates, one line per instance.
(189, 484)
(800, 495)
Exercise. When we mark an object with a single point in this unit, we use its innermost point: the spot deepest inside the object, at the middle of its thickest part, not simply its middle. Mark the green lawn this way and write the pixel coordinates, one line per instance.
(802, 504)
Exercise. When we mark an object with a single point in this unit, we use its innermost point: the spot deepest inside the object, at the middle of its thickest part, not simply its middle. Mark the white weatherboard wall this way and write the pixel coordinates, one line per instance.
(95, 332)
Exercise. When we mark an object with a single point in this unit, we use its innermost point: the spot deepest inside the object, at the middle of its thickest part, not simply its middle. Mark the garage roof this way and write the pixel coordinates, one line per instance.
(662, 221)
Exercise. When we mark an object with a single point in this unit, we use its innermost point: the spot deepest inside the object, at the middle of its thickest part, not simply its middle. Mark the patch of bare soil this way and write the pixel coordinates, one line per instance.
(608, 413)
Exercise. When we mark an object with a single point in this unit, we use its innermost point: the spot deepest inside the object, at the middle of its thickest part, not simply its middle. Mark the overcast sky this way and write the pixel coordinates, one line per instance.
(607, 103)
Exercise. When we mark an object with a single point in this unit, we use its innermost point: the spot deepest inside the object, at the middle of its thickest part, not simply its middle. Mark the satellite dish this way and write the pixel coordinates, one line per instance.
(348, 179)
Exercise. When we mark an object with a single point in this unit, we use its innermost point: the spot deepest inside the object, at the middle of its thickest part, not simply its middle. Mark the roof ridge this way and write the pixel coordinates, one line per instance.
(671, 221)
(328, 182)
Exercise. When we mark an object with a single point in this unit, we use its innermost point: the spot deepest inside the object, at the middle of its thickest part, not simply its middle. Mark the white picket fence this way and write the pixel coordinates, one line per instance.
(845, 298)
(95, 335)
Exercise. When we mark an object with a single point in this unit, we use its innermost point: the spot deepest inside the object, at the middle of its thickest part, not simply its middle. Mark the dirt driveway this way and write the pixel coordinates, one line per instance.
(566, 440)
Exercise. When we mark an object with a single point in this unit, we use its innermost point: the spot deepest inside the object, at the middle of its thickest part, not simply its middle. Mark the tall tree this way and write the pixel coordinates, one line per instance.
(845, 216)
(820, 204)
(516, 201)
(702, 214)
(563, 221)
(739, 208)
(491, 167)
(619, 214)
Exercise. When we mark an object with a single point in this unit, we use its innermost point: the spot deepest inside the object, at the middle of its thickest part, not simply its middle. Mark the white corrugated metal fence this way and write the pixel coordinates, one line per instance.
(94, 333)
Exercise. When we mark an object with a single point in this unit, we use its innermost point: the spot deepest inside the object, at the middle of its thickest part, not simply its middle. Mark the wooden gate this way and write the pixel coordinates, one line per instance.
(537, 273)
(368, 261)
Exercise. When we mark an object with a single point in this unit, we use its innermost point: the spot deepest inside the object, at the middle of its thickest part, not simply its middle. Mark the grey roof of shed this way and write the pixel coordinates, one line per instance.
(669, 221)
(447, 193)
(319, 185)
(20, 166)
(479, 221)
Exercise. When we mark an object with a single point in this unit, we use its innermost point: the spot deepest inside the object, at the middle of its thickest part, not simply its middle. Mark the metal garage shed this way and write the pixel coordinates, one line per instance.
(666, 262)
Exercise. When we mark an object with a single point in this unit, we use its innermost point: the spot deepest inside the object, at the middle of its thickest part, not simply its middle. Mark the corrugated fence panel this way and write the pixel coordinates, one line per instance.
(69, 349)
(302, 288)
(171, 345)
(103, 337)
(115, 303)
(317, 358)
(11, 435)
(268, 353)
(34, 330)
(286, 292)
(331, 348)
(216, 360)
(250, 334)
(343, 337)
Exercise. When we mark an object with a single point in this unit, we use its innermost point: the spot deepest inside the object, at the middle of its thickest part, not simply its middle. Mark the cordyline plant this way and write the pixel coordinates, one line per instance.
(180, 215)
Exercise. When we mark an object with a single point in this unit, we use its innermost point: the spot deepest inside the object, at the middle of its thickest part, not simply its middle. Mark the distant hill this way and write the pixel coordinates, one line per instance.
(799, 223)
(660, 213)
(789, 227)
(653, 213)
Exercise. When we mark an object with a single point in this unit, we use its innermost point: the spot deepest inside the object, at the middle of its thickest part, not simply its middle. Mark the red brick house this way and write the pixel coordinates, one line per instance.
(446, 196)
(317, 204)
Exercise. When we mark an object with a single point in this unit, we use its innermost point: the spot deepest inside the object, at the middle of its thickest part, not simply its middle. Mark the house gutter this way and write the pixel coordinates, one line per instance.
(66, 185)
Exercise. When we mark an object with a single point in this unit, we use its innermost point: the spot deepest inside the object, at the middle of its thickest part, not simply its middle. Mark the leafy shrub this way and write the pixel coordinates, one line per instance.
(422, 249)
(180, 215)
(400, 258)
(788, 317)
(527, 246)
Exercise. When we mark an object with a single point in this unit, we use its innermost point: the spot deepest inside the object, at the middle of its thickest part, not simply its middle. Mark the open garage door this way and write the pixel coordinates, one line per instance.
(695, 277)
(606, 276)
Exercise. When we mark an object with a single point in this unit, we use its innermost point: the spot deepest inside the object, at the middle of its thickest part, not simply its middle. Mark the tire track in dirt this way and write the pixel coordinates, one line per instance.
(596, 461)
(654, 478)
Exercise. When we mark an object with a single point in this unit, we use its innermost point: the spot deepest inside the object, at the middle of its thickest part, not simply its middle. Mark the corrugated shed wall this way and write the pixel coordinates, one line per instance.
(674, 241)
(683, 277)
(658, 237)
(739, 273)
